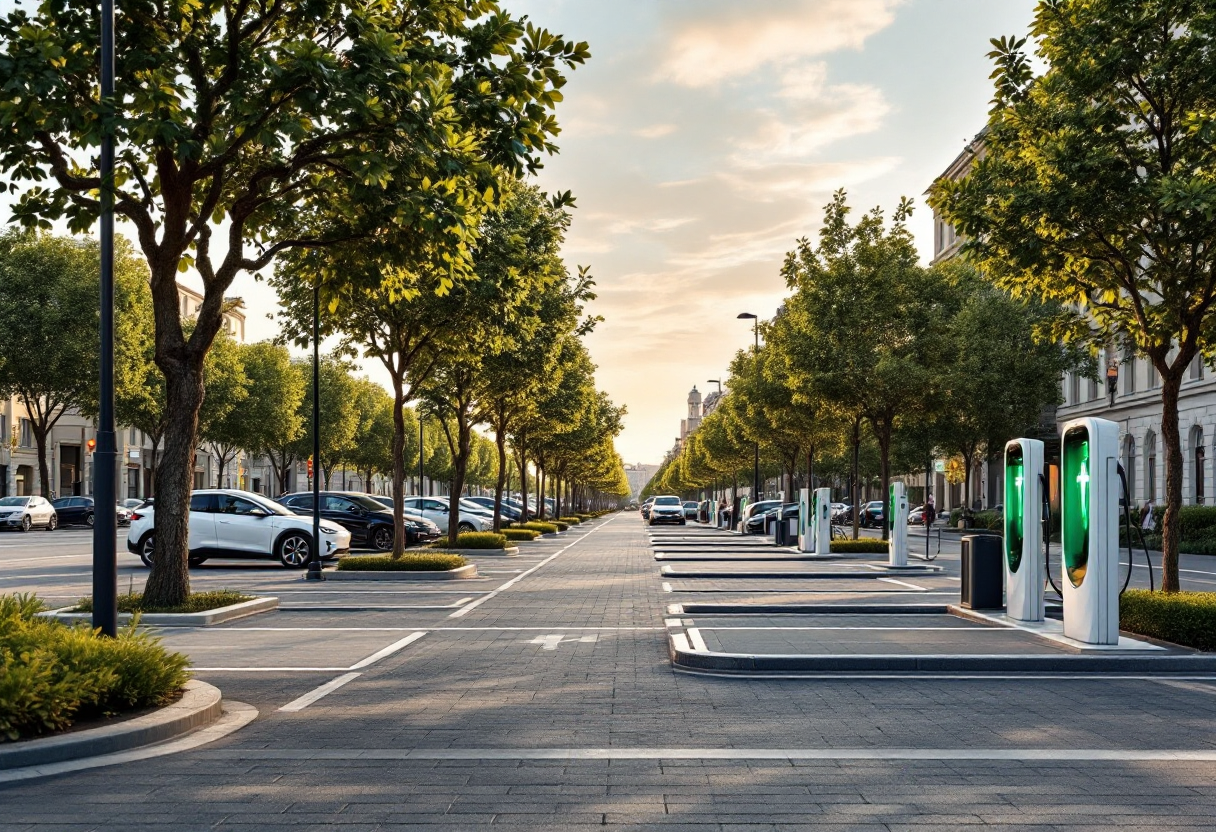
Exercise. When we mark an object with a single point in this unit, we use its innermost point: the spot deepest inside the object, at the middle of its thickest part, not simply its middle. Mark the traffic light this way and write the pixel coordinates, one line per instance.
(91, 444)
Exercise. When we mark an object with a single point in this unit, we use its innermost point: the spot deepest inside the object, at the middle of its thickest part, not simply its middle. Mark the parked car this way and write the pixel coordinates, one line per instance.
(435, 509)
(75, 511)
(646, 504)
(133, 502)
(758, 523)
(842, 513)
(369, 521)
(124, 515)
(690, 509)
(508, 511)
(916, 517)
(754, 509)
(667, 510)
(26, 512)
(872, 515)
(227, 523)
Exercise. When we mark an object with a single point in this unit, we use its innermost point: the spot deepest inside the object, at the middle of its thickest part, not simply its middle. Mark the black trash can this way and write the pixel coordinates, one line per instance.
(983, 573)
(787, 526)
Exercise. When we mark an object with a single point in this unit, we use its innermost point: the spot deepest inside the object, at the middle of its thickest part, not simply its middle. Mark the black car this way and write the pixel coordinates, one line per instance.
(74, 511)
(758, 523)
(370, 524)
(872, 515)
(507, 511)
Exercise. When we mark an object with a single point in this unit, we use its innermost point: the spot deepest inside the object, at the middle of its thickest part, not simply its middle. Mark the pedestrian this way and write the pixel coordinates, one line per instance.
(930, 514)
(1146, 517)
(723, 518)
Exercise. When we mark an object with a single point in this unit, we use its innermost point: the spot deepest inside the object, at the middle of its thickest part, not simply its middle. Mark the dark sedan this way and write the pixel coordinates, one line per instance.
(369, 522)
(872, 515)
(74, 511)
(507, 511)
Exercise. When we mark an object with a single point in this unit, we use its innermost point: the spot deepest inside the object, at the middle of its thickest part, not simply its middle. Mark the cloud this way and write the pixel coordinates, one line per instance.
(655, 131)
(727, 39)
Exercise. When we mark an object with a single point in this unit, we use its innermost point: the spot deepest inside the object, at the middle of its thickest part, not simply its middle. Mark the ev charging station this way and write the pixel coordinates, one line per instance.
(815, 521)
(805, 521)
(1024, 530)
(1089, 531)
(897, 524)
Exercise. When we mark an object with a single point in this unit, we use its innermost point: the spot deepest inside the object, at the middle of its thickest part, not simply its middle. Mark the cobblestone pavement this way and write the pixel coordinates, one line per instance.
(550, 704)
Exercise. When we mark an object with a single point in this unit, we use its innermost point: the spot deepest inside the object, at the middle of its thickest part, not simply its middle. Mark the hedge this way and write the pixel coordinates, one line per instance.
(520, 534)
(435, 562)
(571, 521)
(52, 676)
(992, 521)
(474, 540)
(1186, 618)
(561, 525)
(866, 545)
(539, 526)
(133, 602)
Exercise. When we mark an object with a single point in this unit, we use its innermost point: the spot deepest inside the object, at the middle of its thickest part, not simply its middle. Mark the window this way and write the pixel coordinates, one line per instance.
(1197, 368)
(1129, 374)
(434, 505)
(1093, 390)
(4, 429)
(201, 502)
(1150, 467)
(228, 504)
(27, 434)
(1075, 396)
(303, 503)
(339, 504)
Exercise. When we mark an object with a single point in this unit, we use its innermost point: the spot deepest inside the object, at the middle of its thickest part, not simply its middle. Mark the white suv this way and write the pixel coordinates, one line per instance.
(226, 523)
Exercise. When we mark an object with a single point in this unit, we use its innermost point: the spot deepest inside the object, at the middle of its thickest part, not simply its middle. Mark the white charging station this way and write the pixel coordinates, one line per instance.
(1089, 530)
(822, 523)
(897, 525)
(805, 520)
(1024, 530)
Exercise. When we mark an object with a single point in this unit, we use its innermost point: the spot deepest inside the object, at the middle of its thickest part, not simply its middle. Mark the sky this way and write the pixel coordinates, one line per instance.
(704, 137)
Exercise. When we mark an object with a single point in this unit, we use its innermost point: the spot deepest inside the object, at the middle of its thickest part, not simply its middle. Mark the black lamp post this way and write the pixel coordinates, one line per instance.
(748, 316)
(314, 556)
(105, 458)
(1112, 381)
(718, 382)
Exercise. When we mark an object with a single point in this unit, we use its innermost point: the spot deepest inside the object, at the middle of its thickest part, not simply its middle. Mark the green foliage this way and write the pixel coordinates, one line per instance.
(571, 521)
(1186, 618)
(133, 602)
(430, 562)
(865, 545)
(52, 676)
(520, 534)
(539, 526)
(561, 527)
(339, 414)
(475, 540)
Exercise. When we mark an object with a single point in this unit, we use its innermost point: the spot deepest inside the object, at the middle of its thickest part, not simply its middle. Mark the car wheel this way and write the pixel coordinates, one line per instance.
(147, 547)
(382, 539)
(53, 523)
(26, 523)
(88, 519)
(196, 561)
(465, 527)
(294, 550)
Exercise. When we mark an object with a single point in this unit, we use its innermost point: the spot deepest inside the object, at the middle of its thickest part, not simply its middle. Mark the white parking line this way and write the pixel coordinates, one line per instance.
(388, 651)
(318, 693)
(694, 638)
(904, 583)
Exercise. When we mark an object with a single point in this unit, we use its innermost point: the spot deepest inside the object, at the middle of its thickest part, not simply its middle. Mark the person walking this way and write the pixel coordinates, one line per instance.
(930, 514)
(1147, 523)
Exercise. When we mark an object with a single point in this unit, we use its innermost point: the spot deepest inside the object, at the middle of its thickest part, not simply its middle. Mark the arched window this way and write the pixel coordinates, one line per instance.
(1199, 465)
(1129, 467)
(1150, 467)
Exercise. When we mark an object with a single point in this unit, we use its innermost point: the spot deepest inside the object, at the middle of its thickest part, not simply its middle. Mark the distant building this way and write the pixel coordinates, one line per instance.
(689, 425)
(639, 475)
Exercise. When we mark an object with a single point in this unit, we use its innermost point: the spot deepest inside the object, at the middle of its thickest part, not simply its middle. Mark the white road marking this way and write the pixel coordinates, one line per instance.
(904, 583)
(318, 693)
(268, 669)
(551, 641)
(388, 651)
(461, 613)
(667, 587)
(1191, 686)
(698, 643)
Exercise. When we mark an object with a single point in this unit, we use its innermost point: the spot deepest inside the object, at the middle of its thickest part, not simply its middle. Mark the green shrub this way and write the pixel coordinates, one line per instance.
(865, 545)
(474, 540)
(133, 602)
(585, 517)
(571, 521)
(520, 534)
(431, 562)
(540, 526)
(52, 676)
(1186, 618)
(561, 525)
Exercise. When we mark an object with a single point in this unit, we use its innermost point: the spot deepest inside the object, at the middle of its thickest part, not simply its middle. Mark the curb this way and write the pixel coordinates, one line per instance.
(811, 609)
(669, 572)
(200, 705)
(742, 664)
(178, 619)
(463, 573)
(509, 552)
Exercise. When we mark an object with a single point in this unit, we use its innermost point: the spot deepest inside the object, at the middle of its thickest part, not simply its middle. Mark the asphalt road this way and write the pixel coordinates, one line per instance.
(542, 698)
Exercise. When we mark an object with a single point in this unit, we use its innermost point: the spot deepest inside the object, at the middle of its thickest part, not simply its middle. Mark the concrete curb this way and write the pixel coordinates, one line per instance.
(509, 552)
(809, 609)
(209, 618)
(742, 664)
(200, 705)
(876, 573)
(463, 573)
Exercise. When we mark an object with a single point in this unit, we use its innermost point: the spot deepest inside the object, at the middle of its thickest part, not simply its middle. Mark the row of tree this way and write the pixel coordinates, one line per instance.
(874, 351)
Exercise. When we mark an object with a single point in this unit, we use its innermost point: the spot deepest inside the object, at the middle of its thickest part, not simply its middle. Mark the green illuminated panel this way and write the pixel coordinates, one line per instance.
(1014, 510)
(891, 508)
(1075, 499)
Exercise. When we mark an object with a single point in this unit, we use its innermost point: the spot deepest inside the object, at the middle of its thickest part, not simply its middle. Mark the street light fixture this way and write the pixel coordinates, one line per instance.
(748, 316)
(718, 382)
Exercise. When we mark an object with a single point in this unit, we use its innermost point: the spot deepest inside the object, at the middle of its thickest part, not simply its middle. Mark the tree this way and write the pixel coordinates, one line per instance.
(1096, 189)
(222, 421)
(249, 120)
(49, 323)
(372, 450)
(272, 412)
(865, 332)
(339, 417)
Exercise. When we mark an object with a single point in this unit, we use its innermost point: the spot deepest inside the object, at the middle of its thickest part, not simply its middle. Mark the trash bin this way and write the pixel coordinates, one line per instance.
(787, 526)
(983, 574)
(703, 512)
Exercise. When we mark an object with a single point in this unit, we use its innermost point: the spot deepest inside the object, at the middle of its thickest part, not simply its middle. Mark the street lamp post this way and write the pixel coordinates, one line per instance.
(105, 458)
(314, 556)
(748, 316)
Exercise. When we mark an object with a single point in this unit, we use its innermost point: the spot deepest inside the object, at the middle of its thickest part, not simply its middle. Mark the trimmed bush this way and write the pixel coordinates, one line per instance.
(571, 521)
(52, 676)
(866, 545)
(431, 562)
(520, 534)
(540, 526)
(1186, 618)
(133, 602)
(474, 540)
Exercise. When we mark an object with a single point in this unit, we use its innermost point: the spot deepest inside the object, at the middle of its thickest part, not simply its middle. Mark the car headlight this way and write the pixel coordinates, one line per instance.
(328, 529)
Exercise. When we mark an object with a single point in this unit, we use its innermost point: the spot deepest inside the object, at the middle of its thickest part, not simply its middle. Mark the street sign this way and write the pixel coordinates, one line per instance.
(939, 466)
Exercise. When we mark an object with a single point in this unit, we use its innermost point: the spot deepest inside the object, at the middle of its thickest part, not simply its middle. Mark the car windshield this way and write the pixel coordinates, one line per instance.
(874, 505)
(268, 505)
(14, 501)
(667, 501)
(363, 501)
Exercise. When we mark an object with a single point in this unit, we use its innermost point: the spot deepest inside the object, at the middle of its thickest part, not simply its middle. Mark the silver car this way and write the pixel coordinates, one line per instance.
(26, 512)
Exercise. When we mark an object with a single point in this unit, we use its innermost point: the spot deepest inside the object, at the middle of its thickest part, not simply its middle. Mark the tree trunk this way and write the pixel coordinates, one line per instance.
(1171, 527)
(399, 465)
(521, 459)
(44, 471)
(854, 487)
(169, 581)
(500, 441)
(460, 465)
